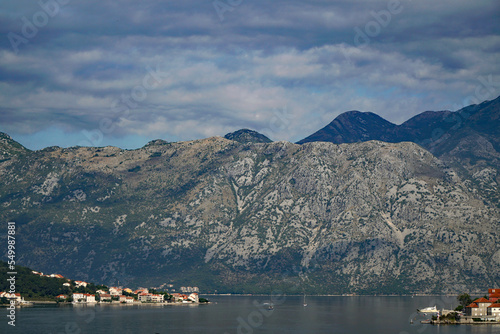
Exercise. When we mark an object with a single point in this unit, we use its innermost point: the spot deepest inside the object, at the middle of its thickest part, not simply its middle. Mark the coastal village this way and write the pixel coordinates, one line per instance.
(480, 311)
(114, 295)
(485, 309)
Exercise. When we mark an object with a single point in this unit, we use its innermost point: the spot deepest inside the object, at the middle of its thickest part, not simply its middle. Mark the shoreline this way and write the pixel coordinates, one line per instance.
(323, 295)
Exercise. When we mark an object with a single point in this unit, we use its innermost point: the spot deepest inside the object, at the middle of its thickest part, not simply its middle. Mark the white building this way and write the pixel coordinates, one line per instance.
(79, 298)
(149, 297)
(12, 296)
(194, 297)
(83, 298)
(494, 310)
(81, 283)
(105, 297)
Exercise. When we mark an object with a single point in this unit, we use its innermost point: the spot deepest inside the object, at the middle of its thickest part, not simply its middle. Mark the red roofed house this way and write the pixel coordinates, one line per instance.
(81, 283)
(61, 297)
(494, 295)
(56, 276)
(482, 307)
(12, 296)
(177, 297)
(472, 310)
(194, 297)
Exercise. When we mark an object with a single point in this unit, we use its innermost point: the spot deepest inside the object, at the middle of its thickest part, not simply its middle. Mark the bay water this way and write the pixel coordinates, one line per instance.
(243, 315)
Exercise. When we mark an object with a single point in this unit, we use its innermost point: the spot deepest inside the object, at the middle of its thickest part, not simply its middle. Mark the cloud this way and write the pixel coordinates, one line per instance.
(174, 70)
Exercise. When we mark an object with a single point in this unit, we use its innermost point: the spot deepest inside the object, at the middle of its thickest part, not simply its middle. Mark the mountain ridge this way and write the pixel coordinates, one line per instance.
(366, 217)
(233, 217)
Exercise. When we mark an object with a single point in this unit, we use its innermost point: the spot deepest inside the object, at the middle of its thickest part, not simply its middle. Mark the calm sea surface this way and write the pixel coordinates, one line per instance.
(243, 314)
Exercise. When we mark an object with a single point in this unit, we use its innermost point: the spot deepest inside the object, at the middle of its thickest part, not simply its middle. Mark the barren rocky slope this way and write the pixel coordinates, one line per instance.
(234, 217)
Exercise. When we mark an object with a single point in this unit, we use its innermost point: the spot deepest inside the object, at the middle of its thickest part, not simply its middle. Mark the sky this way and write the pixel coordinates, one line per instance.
(123, 72)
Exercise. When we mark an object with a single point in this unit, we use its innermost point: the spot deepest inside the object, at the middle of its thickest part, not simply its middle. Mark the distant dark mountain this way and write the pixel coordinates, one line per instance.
(467, 139)
(247, 136)
(352, 127)
(438, 131)
(321, 218)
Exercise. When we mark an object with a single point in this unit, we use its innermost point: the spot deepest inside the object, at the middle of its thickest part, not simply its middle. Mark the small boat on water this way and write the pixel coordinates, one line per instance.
(430, 309)
(305, 304)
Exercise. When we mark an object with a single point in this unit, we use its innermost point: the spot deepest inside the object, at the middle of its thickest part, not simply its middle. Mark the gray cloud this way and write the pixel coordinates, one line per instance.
(175, 70)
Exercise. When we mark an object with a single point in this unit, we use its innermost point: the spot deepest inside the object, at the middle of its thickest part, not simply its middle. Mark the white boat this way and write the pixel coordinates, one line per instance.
(430, 309)
(269, 306)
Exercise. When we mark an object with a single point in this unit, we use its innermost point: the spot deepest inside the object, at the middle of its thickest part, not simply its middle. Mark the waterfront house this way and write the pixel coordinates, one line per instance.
(105, 297)
(143, 297)
(83, 298)
(12, 296)
(114, 291)
(62, 297)
(157, 298)
(179, 297)
(478, 308)
(89, 298)
(122, 298)
(151, 298)
(193, 298)
(78, 298)
(129, 300)
(494, 310)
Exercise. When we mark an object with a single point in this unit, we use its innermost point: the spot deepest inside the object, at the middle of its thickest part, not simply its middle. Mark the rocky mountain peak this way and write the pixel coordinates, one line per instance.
(9, 147)
(247, 136)
(353, 126)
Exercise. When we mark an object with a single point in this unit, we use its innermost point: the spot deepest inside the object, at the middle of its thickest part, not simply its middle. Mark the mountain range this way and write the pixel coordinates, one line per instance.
(361, 206)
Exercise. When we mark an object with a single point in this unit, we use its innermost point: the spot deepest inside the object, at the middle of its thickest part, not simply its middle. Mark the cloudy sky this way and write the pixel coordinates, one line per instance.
(124, 72)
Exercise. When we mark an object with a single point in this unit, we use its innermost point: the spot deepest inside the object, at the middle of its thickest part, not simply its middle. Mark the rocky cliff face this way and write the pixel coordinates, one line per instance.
(324, 218)
(467, 140)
